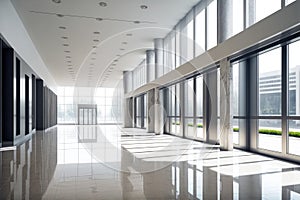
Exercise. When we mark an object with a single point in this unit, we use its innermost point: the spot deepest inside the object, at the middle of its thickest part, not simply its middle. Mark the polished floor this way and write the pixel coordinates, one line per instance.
(107, 162)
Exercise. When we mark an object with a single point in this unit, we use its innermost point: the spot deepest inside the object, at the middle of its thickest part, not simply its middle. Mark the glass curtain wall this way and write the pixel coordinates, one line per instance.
(189, 108)
(269, 100)
(141, 111)
(198, 31)
(173, 124)
(293, 98)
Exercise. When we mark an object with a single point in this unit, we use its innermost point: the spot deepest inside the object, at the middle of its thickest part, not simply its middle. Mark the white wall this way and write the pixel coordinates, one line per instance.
(13, 30)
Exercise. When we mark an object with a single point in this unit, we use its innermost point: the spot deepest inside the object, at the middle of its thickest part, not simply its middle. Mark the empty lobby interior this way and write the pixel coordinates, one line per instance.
(139, 99)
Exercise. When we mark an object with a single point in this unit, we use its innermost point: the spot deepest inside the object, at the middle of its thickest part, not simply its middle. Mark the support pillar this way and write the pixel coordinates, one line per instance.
(150, 65)
(226, 136)
(151, 110)
(159, 57)
(128, 112)
(225, 16)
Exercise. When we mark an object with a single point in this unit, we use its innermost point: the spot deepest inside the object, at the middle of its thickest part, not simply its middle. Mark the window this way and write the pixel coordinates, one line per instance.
(189, 108)
(212, 24)
(199, 107)
(238, 16)
(269, 95)
(294, 98)
(264, 8)
(235, 102)
(287, 2)
(200, 33)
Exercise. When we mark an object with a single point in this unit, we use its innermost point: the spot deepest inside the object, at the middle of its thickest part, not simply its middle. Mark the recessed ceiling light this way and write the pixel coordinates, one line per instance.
(97, 32)
(103, 4)
(144, 7)
(56, 1)
(129, 34)
(59, 15)
(62, 27)
(66, 45)
(99, 19)
(64, 37)
(136, 22)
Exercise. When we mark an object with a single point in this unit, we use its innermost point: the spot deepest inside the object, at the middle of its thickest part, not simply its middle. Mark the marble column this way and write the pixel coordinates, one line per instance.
(128, 112)
(150, 65)
(225, 26)
(226, 136)
(151, 110)
(159, 57)
(159, 112)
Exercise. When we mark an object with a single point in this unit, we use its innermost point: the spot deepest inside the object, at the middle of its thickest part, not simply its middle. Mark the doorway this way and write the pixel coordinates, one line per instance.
(87, 114)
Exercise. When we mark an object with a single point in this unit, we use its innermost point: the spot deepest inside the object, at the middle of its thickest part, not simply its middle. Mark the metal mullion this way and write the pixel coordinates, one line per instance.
(205, 28)
(284, 98)
(195, 106)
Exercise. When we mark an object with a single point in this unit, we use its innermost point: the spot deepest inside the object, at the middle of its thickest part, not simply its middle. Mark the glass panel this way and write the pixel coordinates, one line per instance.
(199, 128)
(177, 48)
(177, 113)
(173, 126)
(236, 130)
(238, 16)
(189, 127)
(264, 8)
(190, 40)
(287, 2)
(90, 116)
(80, 116)
(235, 101)
(85, 116)
(199, 96)
(200, 33)
(294, 78)
(189, 98)
(269, 134)
(294, 136)
(269, 65)
(212, 24)
(178, 127)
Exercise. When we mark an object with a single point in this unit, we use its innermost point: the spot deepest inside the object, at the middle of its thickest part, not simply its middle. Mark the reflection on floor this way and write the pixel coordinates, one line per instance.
(96, 162)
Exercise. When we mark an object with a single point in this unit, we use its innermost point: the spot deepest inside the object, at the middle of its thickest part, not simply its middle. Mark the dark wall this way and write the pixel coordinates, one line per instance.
(46, 106)
(40, 123)
(0, 94)
(7, 95)
(18, 92)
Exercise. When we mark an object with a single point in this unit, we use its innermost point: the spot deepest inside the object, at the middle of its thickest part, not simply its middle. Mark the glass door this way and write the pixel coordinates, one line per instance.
(87, 115)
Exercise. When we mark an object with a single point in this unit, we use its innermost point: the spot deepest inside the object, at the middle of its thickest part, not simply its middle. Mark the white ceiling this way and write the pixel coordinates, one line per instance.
(89, 63)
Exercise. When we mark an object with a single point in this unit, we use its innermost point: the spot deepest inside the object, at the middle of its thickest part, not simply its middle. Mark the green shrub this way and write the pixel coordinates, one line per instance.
(236, 129)
(272, 132)
(198, 125)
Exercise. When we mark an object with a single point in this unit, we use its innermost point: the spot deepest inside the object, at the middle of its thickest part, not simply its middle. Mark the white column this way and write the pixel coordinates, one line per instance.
(159, 57)
(151, 110)
(128, 113)
(226, 137)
